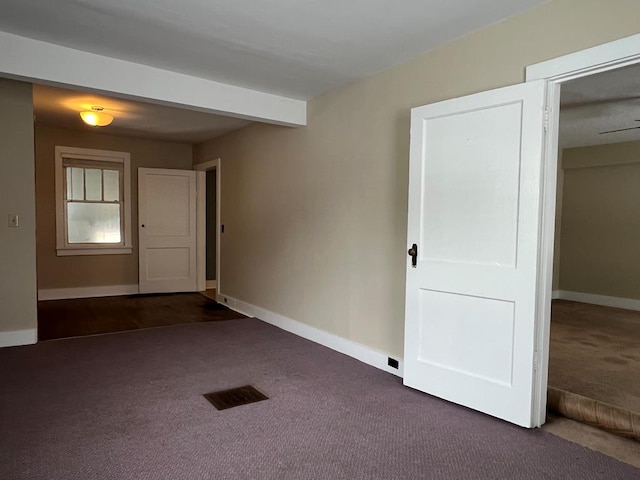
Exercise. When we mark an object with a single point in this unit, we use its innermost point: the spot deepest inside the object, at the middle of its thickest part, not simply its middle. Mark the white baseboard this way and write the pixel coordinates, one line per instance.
(211, 284)
(606, 301)
(19, 337)
(334, 342)
(87, 292)
(555, 294)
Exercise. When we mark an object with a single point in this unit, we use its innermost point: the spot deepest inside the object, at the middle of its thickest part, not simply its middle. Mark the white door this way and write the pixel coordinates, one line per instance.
(167, 230)
(474, 214)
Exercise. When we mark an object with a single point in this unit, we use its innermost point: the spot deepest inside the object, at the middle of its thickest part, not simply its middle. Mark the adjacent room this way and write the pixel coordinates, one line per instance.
(306, 240)
(595, 329)
(83, 254)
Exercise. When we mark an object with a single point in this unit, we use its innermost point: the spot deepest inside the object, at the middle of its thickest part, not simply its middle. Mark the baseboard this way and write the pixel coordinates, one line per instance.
(87, 292)
(555, 294)
(211, 284)
(329, 340)
(19, 337)
(604, 300)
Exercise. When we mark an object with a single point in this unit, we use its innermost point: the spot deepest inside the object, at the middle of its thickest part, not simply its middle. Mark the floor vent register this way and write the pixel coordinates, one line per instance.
(235, 397)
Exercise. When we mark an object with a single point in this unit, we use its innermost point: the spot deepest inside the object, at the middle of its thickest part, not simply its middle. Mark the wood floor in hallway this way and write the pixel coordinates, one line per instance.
(91, 316)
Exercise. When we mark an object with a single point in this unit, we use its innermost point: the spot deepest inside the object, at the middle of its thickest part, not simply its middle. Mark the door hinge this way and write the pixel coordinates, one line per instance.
(546, 119)
(535, 361)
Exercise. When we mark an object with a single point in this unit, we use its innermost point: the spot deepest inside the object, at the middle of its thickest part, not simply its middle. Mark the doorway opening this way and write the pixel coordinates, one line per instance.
(209, 227)
(594, 362)
(556, 73)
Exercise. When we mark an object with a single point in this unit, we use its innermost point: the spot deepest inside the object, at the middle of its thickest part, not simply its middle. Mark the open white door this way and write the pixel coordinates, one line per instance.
(167, 230)
(474, 214)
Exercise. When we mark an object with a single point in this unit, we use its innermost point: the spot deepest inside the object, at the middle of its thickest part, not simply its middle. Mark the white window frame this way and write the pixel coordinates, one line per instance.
(122, 159)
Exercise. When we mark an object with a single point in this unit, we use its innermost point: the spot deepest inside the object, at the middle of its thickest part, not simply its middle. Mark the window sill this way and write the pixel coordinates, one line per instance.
(67, 252)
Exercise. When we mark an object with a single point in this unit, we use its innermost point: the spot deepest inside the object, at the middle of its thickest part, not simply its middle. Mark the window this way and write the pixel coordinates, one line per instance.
(93, 202)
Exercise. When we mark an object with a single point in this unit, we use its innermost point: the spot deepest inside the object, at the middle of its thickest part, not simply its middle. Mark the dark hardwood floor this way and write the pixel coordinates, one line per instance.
(90, 316)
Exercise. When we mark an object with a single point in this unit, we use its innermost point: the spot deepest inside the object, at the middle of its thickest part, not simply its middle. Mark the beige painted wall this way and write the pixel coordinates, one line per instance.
(315, 217)
(17, 245)
(98, 270)
(558, 224)
(599, 251)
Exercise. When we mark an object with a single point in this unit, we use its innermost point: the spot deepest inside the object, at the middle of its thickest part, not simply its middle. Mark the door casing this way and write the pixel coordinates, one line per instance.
(602, 58)
(201, 182)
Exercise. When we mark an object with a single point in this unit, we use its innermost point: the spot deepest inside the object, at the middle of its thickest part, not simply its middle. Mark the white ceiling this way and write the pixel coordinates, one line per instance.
(601, 103)
(590, 105)
(60, 107)
(293, 48)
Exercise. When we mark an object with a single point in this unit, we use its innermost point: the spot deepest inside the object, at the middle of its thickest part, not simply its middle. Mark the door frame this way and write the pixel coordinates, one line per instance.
(609, 56)
(201, 220)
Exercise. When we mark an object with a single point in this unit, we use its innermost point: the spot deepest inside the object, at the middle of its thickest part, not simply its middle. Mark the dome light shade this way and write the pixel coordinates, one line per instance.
(96, 117)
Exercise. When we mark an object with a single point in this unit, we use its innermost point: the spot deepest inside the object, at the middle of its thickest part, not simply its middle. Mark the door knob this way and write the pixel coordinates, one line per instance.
(413, 253)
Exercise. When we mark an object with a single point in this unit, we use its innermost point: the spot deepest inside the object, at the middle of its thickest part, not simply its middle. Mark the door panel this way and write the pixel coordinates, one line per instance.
(167, 217)
(447, 324)
(470, 206)
(167, 231)
(474, 211)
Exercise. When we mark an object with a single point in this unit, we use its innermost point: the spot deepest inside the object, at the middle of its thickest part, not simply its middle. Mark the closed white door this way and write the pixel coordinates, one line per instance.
(167, 230)
(474, 215)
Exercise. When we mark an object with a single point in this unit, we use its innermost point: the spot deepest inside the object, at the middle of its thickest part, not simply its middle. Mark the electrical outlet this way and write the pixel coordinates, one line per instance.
(393, 363)
(14, 220)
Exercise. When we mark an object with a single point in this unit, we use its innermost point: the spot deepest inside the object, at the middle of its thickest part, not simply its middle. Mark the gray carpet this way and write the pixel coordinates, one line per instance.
(130, 406)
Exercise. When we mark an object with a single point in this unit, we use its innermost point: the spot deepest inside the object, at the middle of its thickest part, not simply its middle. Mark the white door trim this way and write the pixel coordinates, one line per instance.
(202, 168)
(609, 56)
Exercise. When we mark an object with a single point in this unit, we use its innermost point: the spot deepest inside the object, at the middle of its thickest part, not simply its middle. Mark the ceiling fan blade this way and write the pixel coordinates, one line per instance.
(619, 130)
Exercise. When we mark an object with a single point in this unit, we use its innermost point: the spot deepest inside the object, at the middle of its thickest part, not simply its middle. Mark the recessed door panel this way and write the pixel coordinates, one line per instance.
(168, 263)
(468, 335)
(470, 201)
(169, 196)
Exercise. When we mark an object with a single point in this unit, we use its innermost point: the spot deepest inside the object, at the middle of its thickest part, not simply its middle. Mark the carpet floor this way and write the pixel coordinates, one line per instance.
(130, 406)
(595, 353)
(93, 316)
(616, 446)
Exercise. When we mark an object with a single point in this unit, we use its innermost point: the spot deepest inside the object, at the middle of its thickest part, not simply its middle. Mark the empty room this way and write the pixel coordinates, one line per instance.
(370, 187)
(595, 330)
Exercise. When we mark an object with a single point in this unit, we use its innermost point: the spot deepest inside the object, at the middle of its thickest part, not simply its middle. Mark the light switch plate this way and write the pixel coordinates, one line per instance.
(14, 220)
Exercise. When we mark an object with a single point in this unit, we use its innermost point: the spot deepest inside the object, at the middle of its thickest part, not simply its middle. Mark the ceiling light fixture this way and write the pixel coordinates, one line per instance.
(96, 117)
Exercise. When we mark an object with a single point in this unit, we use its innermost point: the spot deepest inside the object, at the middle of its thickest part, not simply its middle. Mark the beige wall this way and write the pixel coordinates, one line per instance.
(315, 217)
(17, 245)
(599, 251)
(558, 224)
(98, 270)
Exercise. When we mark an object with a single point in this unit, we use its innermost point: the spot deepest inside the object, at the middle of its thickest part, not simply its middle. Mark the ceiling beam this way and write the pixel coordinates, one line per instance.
(42, 62)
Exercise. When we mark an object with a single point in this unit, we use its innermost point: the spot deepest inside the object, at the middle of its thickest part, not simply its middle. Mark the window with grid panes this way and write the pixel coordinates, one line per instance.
(92, 190)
